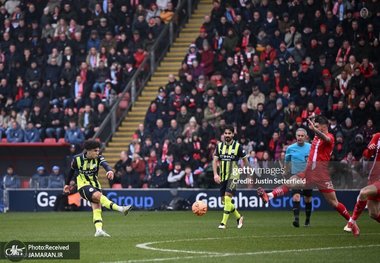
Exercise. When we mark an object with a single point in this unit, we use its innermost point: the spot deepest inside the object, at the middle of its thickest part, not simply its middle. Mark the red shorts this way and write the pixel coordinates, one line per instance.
(376, 197)
(319, 178)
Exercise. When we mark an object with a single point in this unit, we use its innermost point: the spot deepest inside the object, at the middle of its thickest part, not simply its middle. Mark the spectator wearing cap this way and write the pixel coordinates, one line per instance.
(191, 55)
(190, 128)
(162, 101)
(40, 179)
(10, 179)
(56, 178)
(284, 23)
(31, 133)
(202, 39)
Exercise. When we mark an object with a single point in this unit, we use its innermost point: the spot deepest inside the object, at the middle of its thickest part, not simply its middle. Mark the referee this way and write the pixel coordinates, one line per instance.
(295, 162)
(227, 155)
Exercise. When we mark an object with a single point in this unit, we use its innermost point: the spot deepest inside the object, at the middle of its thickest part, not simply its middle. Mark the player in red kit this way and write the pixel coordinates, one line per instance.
(316, 172)
(369, 195)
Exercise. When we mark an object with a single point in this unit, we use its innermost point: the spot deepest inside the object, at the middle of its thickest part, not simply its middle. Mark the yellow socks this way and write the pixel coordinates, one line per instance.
(228, 209)
(104, 201)
(97, 218)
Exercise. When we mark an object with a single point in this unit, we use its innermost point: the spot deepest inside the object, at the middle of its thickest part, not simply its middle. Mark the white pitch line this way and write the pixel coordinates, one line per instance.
(267, 252)
(148, 245)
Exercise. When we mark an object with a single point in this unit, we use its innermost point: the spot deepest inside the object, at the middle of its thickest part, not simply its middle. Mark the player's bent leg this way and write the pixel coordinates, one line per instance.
(104, 201)
(362, 201)
(330, 197)
(374, 209)
(278, 191)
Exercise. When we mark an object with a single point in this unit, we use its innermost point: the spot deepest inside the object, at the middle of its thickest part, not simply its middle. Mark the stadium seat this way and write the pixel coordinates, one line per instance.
(61, 140)
(4, 140)
(117, 186)
(49, 140)
(25, 183)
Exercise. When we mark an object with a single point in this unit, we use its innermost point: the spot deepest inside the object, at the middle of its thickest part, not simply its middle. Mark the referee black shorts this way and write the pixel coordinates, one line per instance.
(304, 192)
(87, 191)
(227, 186)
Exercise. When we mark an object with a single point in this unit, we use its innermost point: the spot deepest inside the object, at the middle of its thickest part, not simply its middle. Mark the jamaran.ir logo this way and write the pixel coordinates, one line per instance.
(15, 250)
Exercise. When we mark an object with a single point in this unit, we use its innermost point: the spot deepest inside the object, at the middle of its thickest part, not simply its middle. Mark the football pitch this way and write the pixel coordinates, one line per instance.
(183, 237)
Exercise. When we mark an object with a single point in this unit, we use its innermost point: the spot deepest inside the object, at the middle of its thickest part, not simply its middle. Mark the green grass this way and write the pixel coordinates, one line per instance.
(262, 238)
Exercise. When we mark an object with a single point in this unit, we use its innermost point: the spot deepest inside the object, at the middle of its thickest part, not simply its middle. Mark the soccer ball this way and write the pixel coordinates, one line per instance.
(199, 208)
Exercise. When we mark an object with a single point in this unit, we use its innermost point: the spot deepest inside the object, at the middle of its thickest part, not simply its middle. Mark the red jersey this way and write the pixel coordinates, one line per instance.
(374, 172)
(320, 152)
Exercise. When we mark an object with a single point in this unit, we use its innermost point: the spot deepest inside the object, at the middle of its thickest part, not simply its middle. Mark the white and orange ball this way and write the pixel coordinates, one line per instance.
(199, 208)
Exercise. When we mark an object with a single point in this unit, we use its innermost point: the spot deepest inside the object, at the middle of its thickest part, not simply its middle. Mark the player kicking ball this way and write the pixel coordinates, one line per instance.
(316, 172)
(369, 195)
(227, 154)
(86, 166)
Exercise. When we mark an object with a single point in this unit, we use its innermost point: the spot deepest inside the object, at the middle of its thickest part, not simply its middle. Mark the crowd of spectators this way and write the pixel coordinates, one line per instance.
(264, 67)
(62, 63)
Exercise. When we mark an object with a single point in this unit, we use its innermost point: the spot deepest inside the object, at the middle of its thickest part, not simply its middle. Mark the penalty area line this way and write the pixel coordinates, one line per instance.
(267, 252)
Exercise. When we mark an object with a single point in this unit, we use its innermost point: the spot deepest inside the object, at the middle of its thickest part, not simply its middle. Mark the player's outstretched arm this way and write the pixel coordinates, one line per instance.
(318, 132)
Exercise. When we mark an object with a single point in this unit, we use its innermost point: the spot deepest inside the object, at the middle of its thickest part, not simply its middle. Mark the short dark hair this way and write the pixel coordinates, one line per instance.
(321, 120)
(228, 127)
(91, 144)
